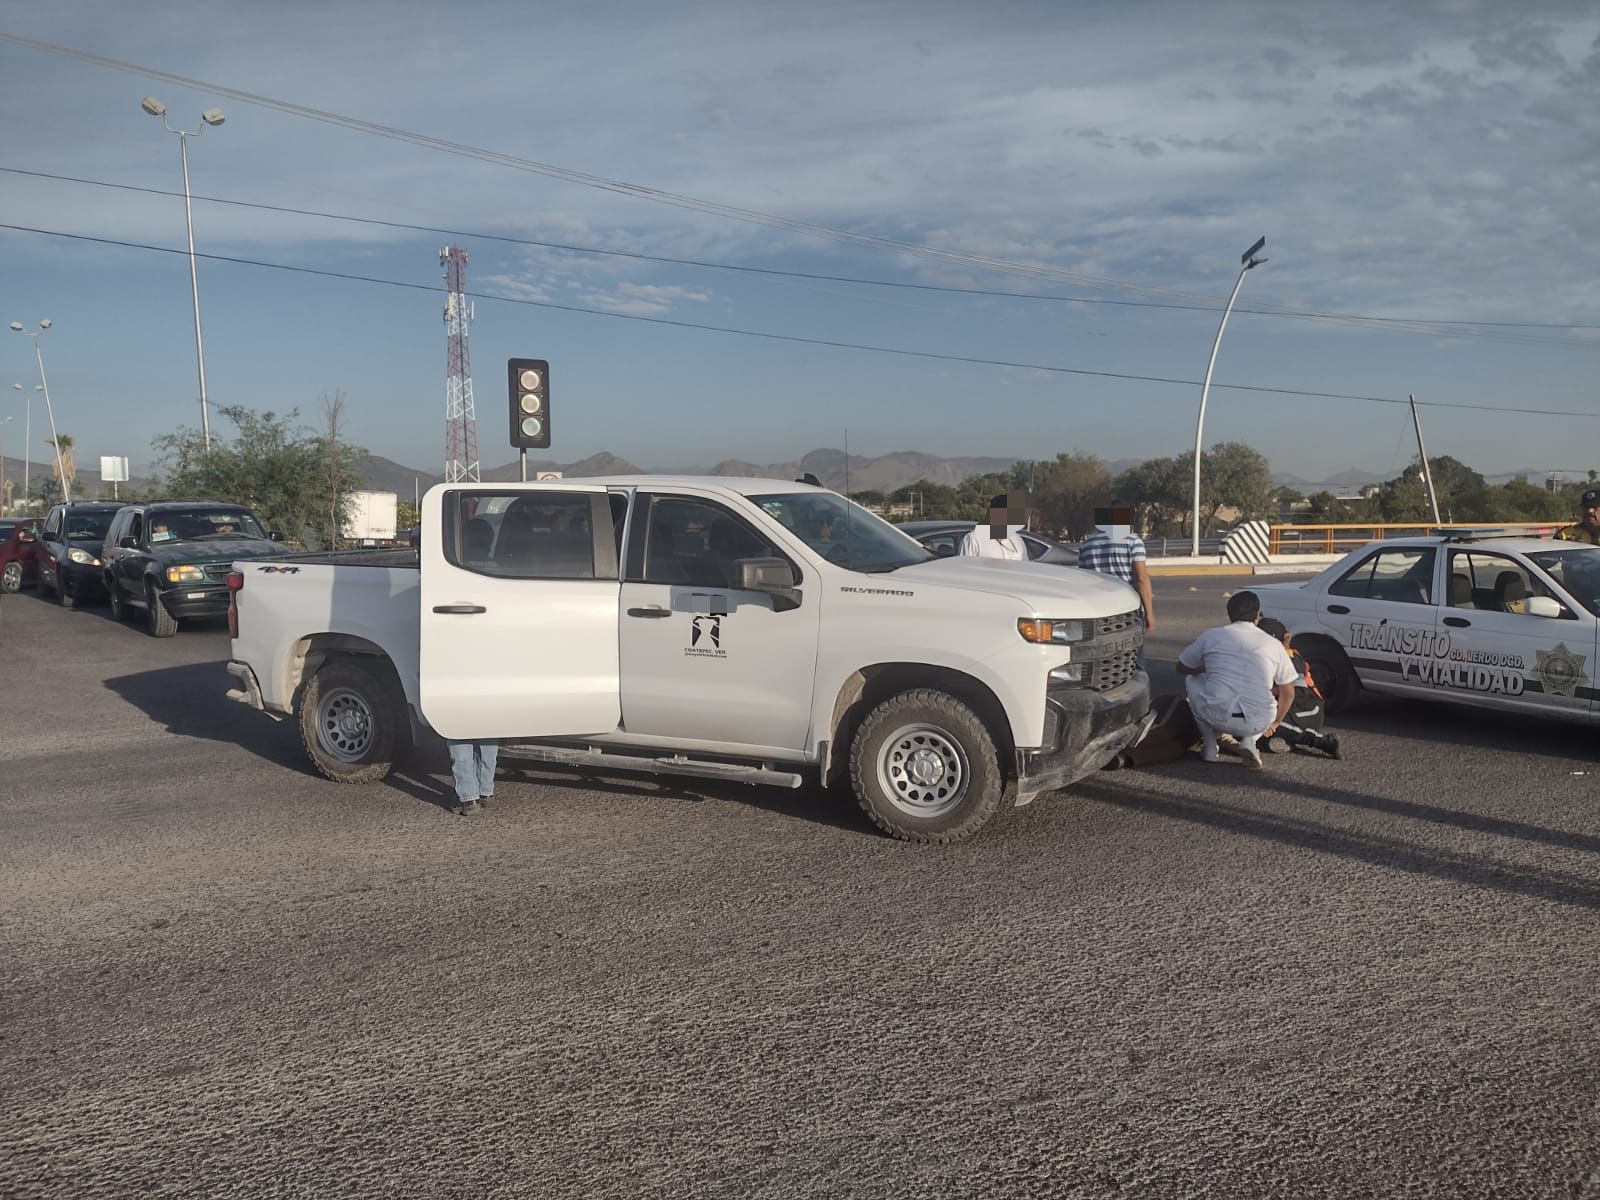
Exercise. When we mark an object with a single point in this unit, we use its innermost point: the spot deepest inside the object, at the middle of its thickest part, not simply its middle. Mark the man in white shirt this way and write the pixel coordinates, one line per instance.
(1240, 680)
(1000, 539)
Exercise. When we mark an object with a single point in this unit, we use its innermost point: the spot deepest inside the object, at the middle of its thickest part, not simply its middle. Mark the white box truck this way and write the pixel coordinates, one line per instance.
(369, 517)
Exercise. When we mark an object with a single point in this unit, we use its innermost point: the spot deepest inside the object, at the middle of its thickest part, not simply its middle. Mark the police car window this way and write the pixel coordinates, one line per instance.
(1490, 582)
(521, 535)
(699, 543)
(1577, 571)
(1403, 575)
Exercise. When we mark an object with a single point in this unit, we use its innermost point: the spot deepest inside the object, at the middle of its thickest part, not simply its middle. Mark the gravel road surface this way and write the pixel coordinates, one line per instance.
(222, 975)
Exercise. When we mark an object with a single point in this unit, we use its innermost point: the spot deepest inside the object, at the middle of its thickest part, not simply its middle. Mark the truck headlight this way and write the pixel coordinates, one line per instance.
(82, 556)
(1046, 633)
(185, 574)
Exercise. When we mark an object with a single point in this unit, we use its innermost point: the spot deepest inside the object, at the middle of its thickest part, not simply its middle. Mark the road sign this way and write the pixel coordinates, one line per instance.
(113, 470)
(548, 475)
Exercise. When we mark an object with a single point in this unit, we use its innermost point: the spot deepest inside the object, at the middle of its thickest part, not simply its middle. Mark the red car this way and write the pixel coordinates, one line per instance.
(19, 552)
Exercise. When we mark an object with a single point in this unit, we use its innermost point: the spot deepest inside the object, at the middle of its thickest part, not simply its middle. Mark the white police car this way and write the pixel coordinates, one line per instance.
(1499, 622)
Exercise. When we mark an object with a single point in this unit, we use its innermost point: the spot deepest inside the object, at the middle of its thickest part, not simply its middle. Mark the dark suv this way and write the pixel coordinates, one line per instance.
(69, 551)
(172, 559)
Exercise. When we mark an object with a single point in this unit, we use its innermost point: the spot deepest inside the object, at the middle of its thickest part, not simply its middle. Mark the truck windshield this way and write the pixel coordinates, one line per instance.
(842, 532)
(1577, 571)
(198, 524)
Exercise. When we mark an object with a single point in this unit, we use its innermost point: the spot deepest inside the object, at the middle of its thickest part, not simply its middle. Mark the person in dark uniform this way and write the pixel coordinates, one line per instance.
(1303, 726)
(1588, 527)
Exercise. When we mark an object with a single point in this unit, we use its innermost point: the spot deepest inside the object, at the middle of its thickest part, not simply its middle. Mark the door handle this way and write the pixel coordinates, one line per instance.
(653, 611)
(1458, 622)
(459, 608)
(1338, 608)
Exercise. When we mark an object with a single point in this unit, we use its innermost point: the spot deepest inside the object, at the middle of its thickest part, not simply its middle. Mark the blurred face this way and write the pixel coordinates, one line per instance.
(1591, 514)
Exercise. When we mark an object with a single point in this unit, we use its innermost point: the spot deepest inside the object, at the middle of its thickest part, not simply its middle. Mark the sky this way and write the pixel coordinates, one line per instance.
(1061, 191)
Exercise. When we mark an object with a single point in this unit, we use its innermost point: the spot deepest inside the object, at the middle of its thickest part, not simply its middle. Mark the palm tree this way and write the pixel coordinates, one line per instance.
(67, 463)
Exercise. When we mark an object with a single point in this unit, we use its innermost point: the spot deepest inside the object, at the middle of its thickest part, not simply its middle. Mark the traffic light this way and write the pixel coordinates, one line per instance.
(530, 402)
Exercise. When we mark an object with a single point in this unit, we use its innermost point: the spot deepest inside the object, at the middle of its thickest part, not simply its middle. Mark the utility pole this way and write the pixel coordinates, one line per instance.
(1427, 472)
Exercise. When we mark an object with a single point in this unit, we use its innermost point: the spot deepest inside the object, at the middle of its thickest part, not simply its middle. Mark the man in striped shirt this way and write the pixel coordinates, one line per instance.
(1114, 549)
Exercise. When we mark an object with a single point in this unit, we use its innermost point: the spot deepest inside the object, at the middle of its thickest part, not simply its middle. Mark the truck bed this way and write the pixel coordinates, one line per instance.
(385, 556)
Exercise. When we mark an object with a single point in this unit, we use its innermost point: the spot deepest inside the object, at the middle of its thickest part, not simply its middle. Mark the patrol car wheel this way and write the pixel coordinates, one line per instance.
(925, 769)
(351, 722)
(1331, 672)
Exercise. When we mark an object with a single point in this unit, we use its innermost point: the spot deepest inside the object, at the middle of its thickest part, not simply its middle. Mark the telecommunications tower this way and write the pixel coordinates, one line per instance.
(460, 421)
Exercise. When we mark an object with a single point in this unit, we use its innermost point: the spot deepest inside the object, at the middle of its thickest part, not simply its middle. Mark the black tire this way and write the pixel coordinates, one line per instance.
(41, 589)
(119, 606)
(353, 722)
(11, 577)
(66, 594)
(924, 768)
(1331, 672)
(158, 620)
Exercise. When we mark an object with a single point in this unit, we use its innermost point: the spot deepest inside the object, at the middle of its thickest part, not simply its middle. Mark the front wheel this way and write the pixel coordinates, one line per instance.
(352, 722)
(119, 607)
(66, 593)
(159, 621)
(1331, 672)
(925, 769)
(11, 577)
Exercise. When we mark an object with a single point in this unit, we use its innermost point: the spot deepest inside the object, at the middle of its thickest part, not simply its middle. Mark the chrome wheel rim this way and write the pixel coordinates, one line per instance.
(344, 725)
(923, 771)
(13, 577)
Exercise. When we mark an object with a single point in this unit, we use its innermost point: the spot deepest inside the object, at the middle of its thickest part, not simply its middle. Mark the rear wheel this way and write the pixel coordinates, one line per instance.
(1332, 673)
(925, 768)
(352, 722)
(11, 577)
(158, 620)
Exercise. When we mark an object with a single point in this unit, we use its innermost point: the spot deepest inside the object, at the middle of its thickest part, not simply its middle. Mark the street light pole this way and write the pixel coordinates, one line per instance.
(44, 386)
(212, 116)
(27, 442)
(1249, 261)
(3, 424)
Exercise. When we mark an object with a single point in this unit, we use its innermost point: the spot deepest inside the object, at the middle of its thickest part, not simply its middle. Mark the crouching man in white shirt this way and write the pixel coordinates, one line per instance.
(1240, 680)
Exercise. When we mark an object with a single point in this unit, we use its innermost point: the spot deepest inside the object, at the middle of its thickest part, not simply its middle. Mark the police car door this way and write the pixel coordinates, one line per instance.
(705, 661)
(1384, 612)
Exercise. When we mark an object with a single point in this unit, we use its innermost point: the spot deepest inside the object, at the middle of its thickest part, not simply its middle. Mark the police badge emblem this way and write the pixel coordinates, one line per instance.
(1559, 671)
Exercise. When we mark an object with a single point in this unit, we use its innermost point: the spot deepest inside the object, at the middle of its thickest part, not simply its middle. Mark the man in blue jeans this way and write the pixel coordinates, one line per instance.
(472, 765)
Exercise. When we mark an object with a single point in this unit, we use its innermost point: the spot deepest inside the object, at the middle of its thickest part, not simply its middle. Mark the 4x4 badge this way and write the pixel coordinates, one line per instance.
(1559, 671)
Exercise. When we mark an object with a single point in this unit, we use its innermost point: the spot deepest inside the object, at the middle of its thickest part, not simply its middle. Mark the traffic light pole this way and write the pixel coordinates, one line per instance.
(524, 456)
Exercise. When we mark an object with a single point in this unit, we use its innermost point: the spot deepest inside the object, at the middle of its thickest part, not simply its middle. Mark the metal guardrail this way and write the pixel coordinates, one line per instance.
(1339, 539)
(1181, 547)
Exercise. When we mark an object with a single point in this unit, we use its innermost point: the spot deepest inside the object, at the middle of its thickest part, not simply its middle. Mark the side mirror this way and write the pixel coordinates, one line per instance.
(773, 576)
(274, 536)
(128, 543)
(1542, 606)
(26, 537)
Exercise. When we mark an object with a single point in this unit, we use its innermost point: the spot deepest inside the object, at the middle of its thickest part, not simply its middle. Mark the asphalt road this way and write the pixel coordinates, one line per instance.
(221, 975)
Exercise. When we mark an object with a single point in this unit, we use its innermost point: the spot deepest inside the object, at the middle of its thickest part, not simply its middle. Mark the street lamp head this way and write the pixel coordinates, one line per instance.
(153, 106)
(213, 116)
(17, 325)
(45, 324)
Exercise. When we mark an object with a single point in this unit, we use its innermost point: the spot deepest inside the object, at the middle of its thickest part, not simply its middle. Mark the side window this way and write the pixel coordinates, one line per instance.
(524, 535)
(1403, 575)
(619, 519)
(1491, 582)
(135, 528)
(699, 543)
(1036, 550)
(52, 524)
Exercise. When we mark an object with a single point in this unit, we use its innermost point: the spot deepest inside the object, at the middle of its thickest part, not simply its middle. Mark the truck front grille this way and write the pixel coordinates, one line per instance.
(1117, 624)
(1111, 656)
(1112, 671)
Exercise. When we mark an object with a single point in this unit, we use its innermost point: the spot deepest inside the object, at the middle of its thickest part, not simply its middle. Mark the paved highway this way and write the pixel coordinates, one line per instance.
(221, 975)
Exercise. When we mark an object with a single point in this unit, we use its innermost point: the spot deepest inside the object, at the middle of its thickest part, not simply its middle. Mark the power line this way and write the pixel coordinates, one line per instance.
(1420, 326)
(796, 338)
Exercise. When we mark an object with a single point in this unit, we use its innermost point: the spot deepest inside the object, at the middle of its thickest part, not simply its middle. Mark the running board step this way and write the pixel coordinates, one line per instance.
(653, 765)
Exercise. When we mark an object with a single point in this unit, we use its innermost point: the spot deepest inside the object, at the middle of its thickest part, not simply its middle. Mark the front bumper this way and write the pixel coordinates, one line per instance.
(1084, 730)
(81, 579)
(186, 601)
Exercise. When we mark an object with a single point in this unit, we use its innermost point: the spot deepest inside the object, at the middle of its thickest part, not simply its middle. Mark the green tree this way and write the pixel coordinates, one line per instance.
(283, 471)
(1234, 475)
(1462, 493)
(933, 501)
(406, 514)
(1160, 489)
(1067, 491)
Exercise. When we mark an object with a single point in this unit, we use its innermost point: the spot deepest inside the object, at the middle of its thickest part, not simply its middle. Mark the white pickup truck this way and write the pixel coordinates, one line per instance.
(743, 629)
